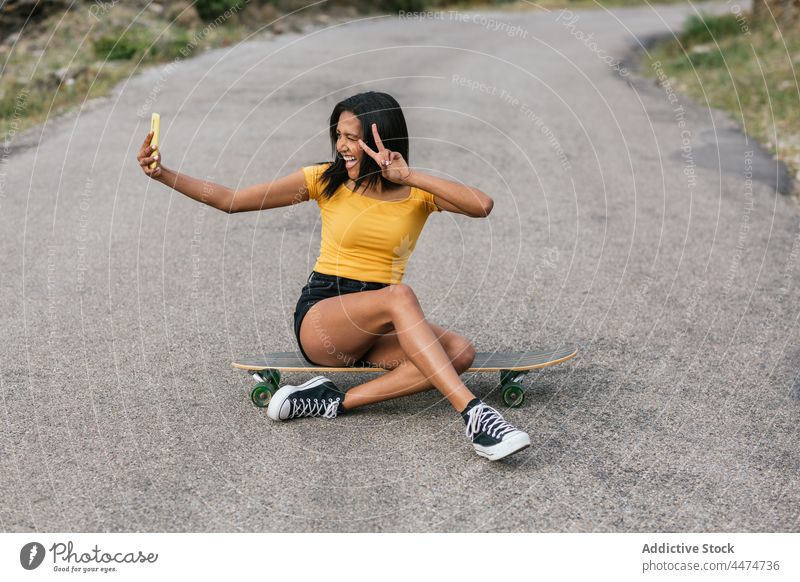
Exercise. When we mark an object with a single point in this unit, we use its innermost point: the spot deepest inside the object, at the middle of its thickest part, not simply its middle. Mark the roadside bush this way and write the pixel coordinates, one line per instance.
(116, 47)
(707, 28)
(178, 42)
(737, 55)
(14, 100)
(406, 5)
(366, 6)
(710, 60)
(210, 9)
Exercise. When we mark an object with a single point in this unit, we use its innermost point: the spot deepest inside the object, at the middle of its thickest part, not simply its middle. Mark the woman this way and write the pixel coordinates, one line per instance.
(353, 308)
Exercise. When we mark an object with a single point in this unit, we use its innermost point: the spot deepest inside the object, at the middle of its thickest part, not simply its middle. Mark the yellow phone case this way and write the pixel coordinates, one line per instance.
(155, 127)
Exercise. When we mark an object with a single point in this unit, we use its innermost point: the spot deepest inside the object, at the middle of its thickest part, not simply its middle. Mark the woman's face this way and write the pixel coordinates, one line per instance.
(348, 132)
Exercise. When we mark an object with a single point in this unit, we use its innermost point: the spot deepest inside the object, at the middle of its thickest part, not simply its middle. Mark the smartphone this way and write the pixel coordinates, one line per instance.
(155, 127)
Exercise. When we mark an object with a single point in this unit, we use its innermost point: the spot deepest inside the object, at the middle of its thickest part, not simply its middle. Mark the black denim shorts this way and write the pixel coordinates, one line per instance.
(320, 286)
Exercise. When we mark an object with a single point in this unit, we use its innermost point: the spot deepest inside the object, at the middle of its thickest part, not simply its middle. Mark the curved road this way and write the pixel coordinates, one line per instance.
(618, 224)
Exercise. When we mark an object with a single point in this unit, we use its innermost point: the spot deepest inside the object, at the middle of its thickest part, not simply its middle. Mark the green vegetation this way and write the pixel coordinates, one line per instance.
(211, 9)
(122, 46)
(747, 68)
(700, 29)
(79, 54)
(583, 4)
(143, 44)
(68, 56)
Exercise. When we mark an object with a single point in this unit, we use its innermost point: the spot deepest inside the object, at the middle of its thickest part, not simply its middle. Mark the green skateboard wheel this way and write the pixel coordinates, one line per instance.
(262, 394)
(513, 395)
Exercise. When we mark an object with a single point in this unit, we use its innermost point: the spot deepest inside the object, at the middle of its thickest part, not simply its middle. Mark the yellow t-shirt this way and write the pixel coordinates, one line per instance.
(365, 238)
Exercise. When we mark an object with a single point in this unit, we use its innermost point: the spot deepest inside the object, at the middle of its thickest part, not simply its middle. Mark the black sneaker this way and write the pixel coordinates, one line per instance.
(491, 435)
(317, 397)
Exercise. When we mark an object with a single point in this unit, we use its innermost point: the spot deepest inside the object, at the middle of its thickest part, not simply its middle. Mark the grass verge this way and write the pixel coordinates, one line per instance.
(744, 67)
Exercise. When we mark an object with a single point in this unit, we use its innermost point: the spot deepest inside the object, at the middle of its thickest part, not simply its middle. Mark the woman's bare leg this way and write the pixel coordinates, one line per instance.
(343, 328)
(404, 378)
(348, 326)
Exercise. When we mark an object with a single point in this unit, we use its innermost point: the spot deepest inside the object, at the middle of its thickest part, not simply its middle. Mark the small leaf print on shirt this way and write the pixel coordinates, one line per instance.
(401, 254)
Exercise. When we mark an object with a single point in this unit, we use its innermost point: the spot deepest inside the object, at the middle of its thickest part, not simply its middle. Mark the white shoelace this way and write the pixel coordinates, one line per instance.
(315, 407)
(484, 418)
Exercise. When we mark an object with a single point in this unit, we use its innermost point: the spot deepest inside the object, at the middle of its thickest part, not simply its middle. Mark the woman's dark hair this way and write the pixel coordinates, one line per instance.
(369, 107)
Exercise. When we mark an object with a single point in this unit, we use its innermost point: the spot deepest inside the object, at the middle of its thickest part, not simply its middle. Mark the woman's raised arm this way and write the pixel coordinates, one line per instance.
(282, 192)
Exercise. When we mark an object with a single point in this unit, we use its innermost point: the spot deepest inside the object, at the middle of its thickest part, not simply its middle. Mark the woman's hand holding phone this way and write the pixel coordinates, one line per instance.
(149, 155)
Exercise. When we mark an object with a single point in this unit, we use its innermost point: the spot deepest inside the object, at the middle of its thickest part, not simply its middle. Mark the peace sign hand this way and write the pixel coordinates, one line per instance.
(393, 166)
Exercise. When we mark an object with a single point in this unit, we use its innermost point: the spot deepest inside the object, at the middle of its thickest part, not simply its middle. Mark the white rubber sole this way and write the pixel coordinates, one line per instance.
(278, 399)
(509, 446)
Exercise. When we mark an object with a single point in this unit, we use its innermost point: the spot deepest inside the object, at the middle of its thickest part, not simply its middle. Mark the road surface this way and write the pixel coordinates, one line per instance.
(618, 224)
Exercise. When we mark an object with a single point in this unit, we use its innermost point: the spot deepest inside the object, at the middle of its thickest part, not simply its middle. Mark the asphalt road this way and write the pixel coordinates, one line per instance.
(619, 224)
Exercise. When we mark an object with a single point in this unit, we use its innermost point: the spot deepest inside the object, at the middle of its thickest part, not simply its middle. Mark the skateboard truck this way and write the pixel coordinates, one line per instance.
(513, 392)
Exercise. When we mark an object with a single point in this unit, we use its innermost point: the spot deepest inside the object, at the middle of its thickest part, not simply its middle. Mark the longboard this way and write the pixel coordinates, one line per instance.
(267, 368)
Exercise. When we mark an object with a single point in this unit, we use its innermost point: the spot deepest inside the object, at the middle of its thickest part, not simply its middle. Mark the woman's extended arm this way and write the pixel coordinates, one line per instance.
(215, 195)
(282, 192)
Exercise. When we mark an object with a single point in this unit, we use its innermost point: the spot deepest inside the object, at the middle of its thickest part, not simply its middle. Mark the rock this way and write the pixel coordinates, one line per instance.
(255, 13)
(183, 13)
(268, 13)
(348, 11)
(64, 74)
(251, 13)
(259, 16)
(11, 39)
(701, 48)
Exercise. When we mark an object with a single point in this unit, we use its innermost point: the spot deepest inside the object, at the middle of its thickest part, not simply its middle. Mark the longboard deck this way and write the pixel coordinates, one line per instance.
(267, 368)
(484, 361)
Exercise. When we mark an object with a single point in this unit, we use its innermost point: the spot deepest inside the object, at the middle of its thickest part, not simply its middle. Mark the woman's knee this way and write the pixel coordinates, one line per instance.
(400, 296)
(461, 353)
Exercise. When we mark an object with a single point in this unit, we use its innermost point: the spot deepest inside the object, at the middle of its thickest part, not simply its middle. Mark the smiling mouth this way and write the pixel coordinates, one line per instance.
(349, 161)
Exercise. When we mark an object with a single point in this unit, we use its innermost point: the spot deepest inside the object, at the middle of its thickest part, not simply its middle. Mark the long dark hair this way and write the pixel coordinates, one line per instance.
(369, 107)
